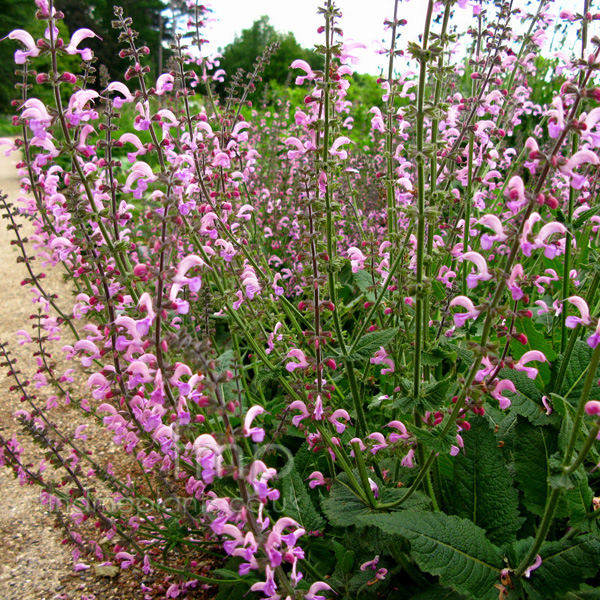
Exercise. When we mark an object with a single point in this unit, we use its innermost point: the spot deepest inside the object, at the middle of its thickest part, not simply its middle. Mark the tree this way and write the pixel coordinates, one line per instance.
(148, 21)
(251, 43)
(16, 14)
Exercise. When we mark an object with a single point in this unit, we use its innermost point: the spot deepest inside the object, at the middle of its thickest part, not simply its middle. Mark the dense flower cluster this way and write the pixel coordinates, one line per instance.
(274, 309)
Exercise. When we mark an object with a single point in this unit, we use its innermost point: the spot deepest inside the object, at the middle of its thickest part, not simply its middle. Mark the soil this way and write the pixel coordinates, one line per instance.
(35, 564)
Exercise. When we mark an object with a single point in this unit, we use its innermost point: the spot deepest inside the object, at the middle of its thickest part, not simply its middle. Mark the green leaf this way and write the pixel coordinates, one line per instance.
(297, 503)
(437, 592)
(364, 281)
(565, 565)
(535, 341)
(528, 401)
(533, 448)
(445, 545)
(432, 441)
(371, 342)
(483, 488)
(572, 384)
(343, 508)
(463, 354)
(585, 592)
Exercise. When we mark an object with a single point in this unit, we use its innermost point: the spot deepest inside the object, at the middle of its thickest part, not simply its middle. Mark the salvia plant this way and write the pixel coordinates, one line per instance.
(340, 369)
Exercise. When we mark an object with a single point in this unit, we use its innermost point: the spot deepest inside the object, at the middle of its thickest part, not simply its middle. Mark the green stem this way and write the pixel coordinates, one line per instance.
(420, 160)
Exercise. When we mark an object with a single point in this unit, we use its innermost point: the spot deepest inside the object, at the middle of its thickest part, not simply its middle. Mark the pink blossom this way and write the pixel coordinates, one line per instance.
(221, 160)
(316, 478)
(257, 433)
(493, 222)
(551, 250)
(334, 150)
(298, 354)
(340, 413)
(381, 356)
(516, 273)
(579, 158)
(584, 310)
(164, 84)
(27, 40)
(502, 386)
(516, 194)
(319, 586)
(357, 259)
(301, 64)
(528, 357)
(117, 86)
(536, 564)
(461, 318)
(482, 270)
(76, 39)
(403, 435)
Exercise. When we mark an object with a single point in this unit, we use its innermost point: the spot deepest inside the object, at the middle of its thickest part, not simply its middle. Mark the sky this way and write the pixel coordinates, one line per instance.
(361, 21)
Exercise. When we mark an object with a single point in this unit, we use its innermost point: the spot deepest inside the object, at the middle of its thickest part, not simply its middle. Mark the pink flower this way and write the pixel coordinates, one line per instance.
(461, 318)
(581, 304)
(536, 564)
(302, 364)
(25, 38)
(341, 141)
(316, 478)
(502, 386)
(257, 433)
(381, 356)
(299, 405)
(403, 435)
(357, 258)
(221, 160)
(340, 413)
(302, 64)
(370, 564)
(164, 84)
(579, 158)
(482, 270)
(117, 86)
(528, 357)
(493, 222)
(76, 39)
(516, 194)
(380, 442)
(516, 291)
(551, 250)
(319, 586)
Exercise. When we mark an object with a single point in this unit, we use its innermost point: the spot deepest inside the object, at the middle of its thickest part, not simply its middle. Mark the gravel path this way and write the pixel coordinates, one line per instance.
(32, 558)
(34, 563)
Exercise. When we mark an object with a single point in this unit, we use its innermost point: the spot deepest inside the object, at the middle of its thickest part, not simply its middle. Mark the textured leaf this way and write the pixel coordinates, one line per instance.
(565, 565)
(445, 545)
(528, 400)
(364, 281)
(371, 342)
(343, 507)
(533, 448)
(297, 503)
(483, 488)
(572, 384)
(437, 592)
(535, 341)
(432, 441)
(585, 592)
(463, 354)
